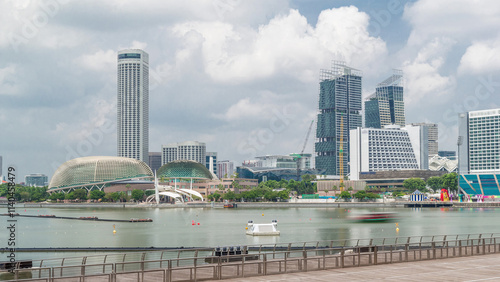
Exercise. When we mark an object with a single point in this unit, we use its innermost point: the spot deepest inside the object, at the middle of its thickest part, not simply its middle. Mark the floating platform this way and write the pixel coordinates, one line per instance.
(263, 229)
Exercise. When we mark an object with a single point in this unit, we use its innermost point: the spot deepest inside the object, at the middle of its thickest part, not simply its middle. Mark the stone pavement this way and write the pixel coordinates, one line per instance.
(473, 268)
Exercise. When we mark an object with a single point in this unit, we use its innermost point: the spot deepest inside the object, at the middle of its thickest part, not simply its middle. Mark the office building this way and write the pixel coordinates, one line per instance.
(154, 160)
(211, 162)
(480, 135)
(451, 155)
(433, 137)
(188, 150)
(225, 169)
(386, 105)
(133, 104)
(390, 148)
(339, 112)
(479, 152)
(37, 180)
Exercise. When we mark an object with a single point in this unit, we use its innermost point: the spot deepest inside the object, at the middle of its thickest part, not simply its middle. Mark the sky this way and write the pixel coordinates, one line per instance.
(241, 76)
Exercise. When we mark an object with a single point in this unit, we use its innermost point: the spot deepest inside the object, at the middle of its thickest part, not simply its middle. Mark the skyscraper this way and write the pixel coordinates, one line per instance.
(433, 137)
(479, 132)
(188, 150)
(133, 104)
(339, 107)
(386, 105)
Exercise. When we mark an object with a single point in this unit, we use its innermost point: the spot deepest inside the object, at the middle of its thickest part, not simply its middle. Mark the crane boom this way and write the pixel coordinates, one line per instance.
(299, 156)
(307, 137)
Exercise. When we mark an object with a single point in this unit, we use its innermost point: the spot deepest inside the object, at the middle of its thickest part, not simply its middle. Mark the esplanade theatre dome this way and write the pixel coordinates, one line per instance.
(90, 172)
(185, 169)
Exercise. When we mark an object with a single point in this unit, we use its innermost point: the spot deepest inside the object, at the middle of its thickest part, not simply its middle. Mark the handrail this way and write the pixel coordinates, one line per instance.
(293, 260)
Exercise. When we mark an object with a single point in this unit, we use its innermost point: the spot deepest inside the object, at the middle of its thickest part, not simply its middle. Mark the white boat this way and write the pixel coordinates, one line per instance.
(263, 229)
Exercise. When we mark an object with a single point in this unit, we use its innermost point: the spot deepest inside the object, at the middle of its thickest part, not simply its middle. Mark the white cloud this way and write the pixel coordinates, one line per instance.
(99, 61)
(286, 45)
(481, 57)
(460, 19)
(423, 76)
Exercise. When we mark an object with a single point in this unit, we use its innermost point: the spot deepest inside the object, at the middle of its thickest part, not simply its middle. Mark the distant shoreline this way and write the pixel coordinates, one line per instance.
(268, 205)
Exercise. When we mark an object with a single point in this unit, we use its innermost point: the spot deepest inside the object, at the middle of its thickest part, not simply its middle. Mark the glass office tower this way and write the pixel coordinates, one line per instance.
(339, 106)
(386, 105)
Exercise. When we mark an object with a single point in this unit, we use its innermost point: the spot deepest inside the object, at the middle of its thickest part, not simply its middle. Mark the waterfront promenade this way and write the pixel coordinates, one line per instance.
(476, 268)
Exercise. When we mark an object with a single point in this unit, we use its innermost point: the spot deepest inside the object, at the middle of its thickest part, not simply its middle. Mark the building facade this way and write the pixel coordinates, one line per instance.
(386, 105)
(154, 160)
(225, 169)
(388, 149)
(188, 150)
(479, 132)
(451, 155)
(433, 137)
(37, 180)
(211, 162)
(339, 112)
(133, 104)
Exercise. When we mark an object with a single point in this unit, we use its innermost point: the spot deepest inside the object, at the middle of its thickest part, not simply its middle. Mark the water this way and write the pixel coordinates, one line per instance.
(226, 227)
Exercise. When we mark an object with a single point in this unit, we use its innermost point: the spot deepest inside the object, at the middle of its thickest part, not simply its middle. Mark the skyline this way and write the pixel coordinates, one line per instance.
(241, 77)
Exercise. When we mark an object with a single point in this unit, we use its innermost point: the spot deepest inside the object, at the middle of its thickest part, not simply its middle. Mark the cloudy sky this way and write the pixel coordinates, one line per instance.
(241, 76)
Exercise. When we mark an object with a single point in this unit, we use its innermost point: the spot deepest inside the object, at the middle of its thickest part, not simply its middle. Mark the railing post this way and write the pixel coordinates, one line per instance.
(433, 244)
(265, 264)
(460, 248)
(304, 259)
(342, 258)
(375, 248)
(484, 246)
(407, 247)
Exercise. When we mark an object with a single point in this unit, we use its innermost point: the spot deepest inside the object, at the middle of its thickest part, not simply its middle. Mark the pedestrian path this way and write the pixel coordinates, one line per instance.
(471, 268)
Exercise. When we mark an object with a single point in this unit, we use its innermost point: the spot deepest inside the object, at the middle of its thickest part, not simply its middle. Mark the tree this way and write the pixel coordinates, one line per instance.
(326, 192)
(96, 194)
(334, 188)
(450, 181)
(70, 196)
(80, 194)
(137, 194)
(345, 195)
(435, 183)
(360, 195)
(412, 184)
(216, 196)
(230, 196)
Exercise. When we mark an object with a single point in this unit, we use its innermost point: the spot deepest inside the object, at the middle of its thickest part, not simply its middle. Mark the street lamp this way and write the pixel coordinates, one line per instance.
(459, 143)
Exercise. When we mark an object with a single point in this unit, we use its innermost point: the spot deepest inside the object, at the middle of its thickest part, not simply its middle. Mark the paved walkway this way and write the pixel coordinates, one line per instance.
(475, 268)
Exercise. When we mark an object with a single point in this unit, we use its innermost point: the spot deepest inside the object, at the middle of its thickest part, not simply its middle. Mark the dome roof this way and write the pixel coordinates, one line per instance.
(184, 168)
(88, 170)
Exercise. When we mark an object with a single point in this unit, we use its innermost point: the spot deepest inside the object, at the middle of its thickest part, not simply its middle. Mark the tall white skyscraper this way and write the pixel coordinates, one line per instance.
(133, 104)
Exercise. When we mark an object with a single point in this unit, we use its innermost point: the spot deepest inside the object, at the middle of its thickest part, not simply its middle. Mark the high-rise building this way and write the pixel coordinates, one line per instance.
(479, 150)
(225, 169)
(211, 162)
(154, 160)
(386, 105)
(388, 148)
(38, 180)
(133, 104)
(188, 150)
(433, 137)
(339, 107)
(451, 155)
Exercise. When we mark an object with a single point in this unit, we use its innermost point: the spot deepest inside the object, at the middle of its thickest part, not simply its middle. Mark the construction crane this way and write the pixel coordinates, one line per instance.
(299, 156)
(341, 153)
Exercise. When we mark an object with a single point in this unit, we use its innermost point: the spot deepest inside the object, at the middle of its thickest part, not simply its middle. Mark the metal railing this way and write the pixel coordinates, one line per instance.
(203, 264)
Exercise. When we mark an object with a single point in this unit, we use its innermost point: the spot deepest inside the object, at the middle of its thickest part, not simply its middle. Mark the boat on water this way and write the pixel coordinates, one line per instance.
(375, 217)
(263, 229)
